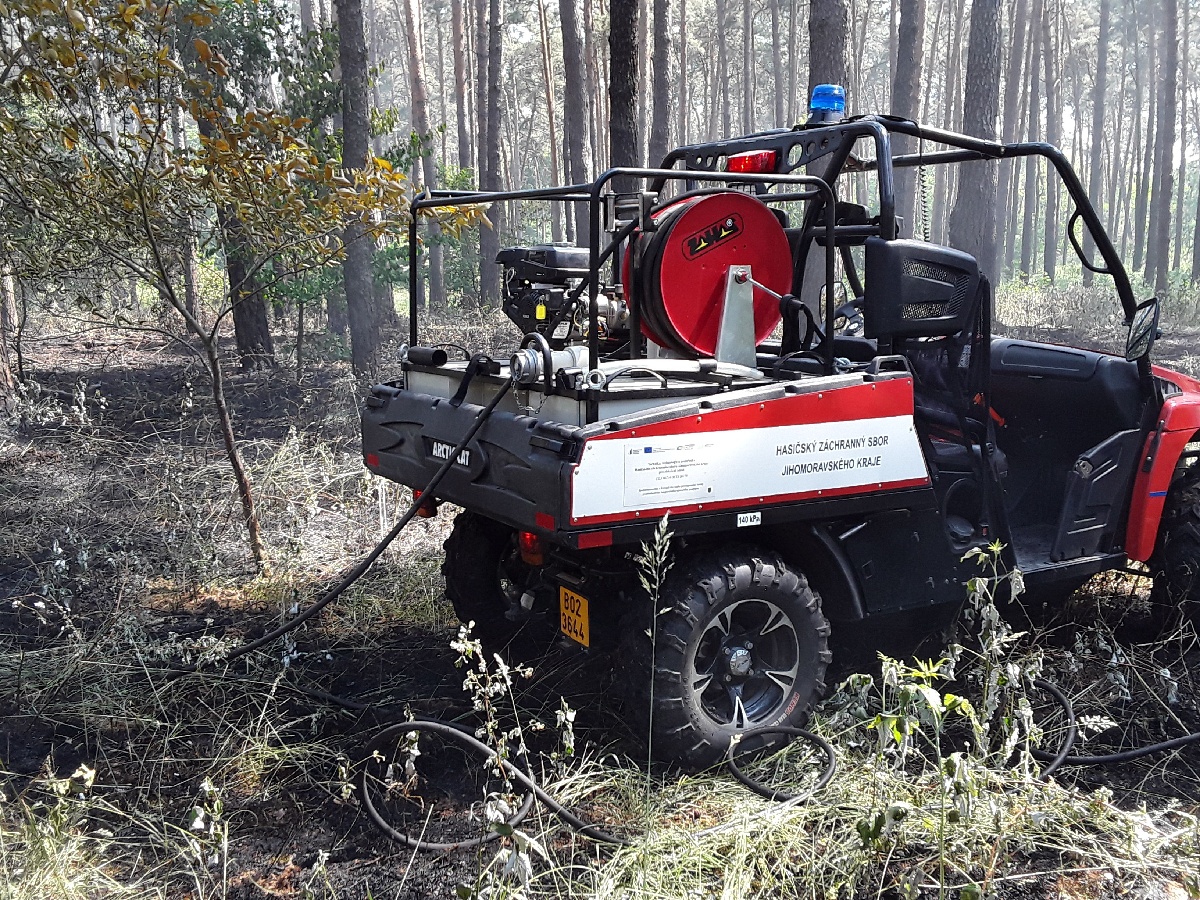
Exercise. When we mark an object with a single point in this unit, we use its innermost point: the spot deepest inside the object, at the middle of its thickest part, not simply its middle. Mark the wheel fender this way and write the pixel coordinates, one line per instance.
(1178, 425)
(813, 550)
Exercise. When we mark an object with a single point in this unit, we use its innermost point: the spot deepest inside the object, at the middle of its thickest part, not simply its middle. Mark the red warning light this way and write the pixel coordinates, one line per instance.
(533, 551)
(756, 162)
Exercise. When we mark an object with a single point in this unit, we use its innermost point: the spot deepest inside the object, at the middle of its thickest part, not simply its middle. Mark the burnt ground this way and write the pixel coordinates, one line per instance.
(121, 552)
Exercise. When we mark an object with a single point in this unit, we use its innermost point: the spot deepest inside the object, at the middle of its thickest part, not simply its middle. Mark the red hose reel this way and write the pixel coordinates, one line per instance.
(676, 274)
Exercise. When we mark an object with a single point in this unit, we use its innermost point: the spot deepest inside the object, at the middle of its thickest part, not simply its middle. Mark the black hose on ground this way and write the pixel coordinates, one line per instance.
(1063, 757)
(1109, 759)
(770, 793)
(1057, 758)
(359, 570)
(468, 740)
(459, 735)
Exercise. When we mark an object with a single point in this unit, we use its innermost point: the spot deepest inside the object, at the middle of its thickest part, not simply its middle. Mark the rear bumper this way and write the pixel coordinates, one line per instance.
(514, 470)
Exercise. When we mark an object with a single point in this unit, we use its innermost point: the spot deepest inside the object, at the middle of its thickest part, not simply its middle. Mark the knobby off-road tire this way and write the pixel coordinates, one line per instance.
(740, 642)
(1176, 560)
(485, 577)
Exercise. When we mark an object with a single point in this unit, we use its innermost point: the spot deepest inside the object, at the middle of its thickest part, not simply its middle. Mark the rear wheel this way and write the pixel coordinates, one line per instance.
(486, 578)
(739, 643)
(1176, 560)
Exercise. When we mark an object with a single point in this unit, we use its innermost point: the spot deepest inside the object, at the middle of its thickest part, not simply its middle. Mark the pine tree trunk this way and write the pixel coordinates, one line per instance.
(597, 93)
(778, 87)
(489, 241)
(8, 331)
(684, 98)
(947, 179)
(973, 222)
(188, 261)
(642, 91)
(893, 43)
(828, 29)
(415, 34)
(440, 81)
(1159, 249)
(1032, 133)
(1099, 89)
(1132, 156)
(1196, 226)
(361, 309)
(747, 68)
(1181, 178)
(1011, 225)
(660, 129)
(460, 84)
(1005, 212)
(623, 80)
(1116, 154)
(723, 68)
(1147, 166)
(251, 329)
(481, 99)
(793, 73)
(1053, 104)
(575, 110)
(556, 209)
(906, 87)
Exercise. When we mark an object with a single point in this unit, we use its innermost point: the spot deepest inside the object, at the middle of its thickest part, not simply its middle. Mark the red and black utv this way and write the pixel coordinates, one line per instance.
(817, 402)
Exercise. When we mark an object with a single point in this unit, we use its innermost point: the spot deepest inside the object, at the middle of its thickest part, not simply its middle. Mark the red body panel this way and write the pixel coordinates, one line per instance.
(1178, 423)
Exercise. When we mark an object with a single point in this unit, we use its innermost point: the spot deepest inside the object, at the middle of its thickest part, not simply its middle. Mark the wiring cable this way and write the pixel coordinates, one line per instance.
(458, 735)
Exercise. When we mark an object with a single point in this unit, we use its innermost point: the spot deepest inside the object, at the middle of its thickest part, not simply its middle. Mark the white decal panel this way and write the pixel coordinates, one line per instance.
(630, 474)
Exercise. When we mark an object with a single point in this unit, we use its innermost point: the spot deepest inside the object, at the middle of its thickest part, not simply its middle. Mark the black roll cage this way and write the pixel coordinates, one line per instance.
(796, 148)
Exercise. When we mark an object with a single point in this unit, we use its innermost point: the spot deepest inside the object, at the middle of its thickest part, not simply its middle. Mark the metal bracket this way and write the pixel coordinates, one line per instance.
(735, 339)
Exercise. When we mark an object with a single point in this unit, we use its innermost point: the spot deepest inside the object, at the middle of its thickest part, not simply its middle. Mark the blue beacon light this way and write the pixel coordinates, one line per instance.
(828, 103)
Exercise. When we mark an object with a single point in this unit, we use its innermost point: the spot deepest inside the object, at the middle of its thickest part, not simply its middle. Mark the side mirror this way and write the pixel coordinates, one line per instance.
(1143, 329)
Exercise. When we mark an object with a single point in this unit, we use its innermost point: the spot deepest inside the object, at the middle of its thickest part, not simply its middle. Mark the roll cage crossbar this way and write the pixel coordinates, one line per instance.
(802, 146)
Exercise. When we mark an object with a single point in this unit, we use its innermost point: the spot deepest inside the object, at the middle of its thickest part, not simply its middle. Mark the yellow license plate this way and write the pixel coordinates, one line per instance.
(573, 616)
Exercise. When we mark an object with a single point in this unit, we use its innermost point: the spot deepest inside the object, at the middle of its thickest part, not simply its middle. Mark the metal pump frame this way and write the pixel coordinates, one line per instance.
(832, 147)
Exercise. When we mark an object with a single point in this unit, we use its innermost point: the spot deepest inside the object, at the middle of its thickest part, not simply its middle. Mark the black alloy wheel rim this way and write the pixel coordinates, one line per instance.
(746, 663)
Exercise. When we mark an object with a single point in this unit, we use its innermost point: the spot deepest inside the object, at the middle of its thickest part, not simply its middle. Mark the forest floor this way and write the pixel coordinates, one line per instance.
(122, 552)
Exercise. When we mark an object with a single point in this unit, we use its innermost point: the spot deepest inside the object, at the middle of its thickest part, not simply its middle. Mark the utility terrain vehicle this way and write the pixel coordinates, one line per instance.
(816, 401)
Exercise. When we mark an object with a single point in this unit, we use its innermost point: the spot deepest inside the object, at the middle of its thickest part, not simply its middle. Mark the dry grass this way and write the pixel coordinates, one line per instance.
(121, 550)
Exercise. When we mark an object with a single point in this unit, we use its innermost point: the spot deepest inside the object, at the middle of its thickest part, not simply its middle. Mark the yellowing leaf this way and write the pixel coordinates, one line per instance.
(202, 50)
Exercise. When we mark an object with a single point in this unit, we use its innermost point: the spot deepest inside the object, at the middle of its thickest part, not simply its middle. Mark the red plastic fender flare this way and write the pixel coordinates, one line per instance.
(1178, 424)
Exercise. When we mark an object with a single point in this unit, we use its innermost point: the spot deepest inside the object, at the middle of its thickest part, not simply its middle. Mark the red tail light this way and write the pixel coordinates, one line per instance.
(756, 162)
(533, 551)
(428, 509)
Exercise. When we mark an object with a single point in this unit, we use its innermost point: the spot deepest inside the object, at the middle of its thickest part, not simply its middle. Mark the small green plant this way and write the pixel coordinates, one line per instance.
(653, 564)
